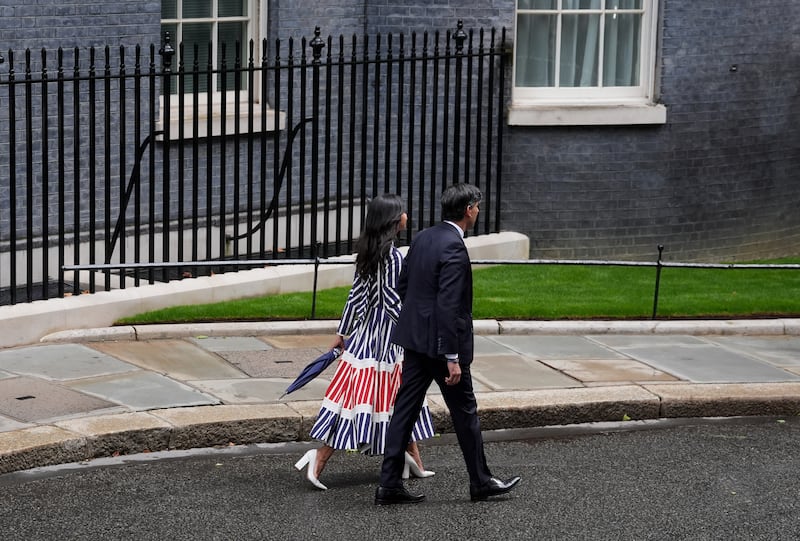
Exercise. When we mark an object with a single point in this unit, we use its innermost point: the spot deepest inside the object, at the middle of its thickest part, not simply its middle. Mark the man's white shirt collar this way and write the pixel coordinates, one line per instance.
(460, 231)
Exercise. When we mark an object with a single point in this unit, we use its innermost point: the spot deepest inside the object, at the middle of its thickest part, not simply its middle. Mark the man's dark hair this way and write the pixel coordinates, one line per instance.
(456, 199)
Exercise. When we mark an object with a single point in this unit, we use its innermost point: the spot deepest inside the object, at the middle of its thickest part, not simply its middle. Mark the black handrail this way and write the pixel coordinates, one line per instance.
(135, 178)
(273, 205)
(132, 182)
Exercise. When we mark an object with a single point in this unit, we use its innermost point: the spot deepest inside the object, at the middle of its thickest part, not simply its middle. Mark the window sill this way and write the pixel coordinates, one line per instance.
(216, 125)
(586, 114)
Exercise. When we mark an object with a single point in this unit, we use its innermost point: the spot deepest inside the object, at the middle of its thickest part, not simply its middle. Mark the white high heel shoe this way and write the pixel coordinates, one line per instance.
(412, 467)
(310, 459)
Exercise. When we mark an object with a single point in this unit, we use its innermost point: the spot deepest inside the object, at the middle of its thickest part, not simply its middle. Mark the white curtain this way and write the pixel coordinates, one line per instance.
(621, 50)
(536, 50)
(579, 64)
(580, 39)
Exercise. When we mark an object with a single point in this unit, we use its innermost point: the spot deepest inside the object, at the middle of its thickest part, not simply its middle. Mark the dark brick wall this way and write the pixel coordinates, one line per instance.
(719, 181)
(298, 18)
(69, 25)
(407, 15)
(83, 23)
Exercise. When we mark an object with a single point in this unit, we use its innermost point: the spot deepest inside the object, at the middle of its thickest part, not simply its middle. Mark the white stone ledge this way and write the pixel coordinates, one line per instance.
(587, 114)
(28, 323)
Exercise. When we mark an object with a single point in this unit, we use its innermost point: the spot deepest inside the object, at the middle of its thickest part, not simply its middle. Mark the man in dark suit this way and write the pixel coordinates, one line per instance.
(435, 329)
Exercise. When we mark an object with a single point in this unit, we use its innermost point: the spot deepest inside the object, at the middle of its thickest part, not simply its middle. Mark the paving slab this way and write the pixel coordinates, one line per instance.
(276, 363)
(144, 391)
(174, 358)
(230, 343)
(783, 351)
(608, 370)
(259, 390)
(513, 372)
(616, 341)
(477, 386)
(36, 400)
(485, 346)
(8, 425)
(697, 360)
(320, 341)
(556, 347)
(61, 362)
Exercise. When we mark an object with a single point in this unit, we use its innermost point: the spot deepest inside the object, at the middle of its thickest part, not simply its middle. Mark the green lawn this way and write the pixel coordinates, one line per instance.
(554, 292)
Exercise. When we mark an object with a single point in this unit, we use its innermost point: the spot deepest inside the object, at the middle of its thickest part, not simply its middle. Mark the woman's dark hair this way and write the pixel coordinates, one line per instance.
(379, 232)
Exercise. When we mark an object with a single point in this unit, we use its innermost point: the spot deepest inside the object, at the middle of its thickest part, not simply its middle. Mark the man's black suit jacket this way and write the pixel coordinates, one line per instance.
(436, 288)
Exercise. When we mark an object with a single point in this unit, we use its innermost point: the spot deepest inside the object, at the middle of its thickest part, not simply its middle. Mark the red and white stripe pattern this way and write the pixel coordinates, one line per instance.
(359, 401)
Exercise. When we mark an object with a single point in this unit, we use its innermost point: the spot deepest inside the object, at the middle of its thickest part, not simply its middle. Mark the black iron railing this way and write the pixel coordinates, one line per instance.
(659, 264)
(116, 158)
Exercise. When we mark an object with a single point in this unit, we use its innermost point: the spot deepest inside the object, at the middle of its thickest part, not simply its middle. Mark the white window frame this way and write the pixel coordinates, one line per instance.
(257, 29)
(554, 106)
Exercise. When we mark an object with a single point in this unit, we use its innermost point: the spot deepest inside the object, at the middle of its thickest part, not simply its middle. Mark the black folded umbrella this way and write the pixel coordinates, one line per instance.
(313, 369)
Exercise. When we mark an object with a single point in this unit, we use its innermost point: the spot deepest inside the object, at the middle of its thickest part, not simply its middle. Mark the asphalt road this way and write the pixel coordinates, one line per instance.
(718, 479)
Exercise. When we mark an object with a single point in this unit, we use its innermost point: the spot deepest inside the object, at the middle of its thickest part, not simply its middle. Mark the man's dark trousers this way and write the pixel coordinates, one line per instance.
(419, 371)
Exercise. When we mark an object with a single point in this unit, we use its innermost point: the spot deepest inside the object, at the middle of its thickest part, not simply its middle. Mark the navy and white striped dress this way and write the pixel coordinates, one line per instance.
(359, 401)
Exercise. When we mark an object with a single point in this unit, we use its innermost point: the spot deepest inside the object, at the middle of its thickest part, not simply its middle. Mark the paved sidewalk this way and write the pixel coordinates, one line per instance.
(86, 394)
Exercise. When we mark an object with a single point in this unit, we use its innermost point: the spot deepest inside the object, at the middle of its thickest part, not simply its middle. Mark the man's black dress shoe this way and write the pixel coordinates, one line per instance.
(389, 496)
(494, 487)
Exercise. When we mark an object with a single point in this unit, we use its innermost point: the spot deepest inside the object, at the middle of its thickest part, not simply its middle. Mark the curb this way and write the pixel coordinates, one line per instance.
(484, 327)
(78, 440)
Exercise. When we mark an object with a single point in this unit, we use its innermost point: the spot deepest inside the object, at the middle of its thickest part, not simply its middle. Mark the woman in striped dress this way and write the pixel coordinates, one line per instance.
(359, 401)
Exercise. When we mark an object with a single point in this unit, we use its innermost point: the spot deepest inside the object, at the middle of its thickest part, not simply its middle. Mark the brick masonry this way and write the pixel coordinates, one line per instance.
(717, 182)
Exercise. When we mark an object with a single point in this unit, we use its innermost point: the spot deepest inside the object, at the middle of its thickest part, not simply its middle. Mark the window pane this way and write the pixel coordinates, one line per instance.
(169, 9)
(537, 4)
(196, 8)
(581, 4)
(621, 50)
(624, 4)
(199, 33)
(195, 57)
(232, 8)
(580, 38)
(229, 34)
(536, 50)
